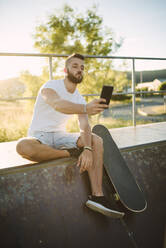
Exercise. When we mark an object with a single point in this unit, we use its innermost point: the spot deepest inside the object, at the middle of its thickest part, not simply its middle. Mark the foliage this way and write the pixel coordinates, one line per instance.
(121, 97)
(162, 86)
(93, 81)
(145, 88)
(108, 122)
(7, 134)
(68, 31)
(32, 82)
(14, 120)
(11, 88)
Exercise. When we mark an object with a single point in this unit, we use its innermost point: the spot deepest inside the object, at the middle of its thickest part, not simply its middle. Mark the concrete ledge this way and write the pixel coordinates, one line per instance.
(140, 135)
(127, 138)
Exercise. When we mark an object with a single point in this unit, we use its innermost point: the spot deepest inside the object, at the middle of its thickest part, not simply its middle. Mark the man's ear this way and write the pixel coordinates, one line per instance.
(65, 70)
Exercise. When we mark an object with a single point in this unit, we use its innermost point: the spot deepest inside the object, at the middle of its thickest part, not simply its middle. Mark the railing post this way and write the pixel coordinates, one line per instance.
(133, 95)
(50, 68)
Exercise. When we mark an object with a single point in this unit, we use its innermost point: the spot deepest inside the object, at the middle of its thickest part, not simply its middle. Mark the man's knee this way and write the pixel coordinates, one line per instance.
(25, 147)
(97, 141)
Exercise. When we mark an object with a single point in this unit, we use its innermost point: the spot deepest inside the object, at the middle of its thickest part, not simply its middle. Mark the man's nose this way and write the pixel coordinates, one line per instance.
(79, 71)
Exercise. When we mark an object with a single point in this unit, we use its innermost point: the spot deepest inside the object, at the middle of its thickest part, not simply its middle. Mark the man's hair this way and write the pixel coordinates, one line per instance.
(74, 55)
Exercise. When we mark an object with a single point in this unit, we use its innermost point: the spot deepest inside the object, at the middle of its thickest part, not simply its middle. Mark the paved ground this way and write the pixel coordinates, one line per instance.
(147, 109)
(152, 111)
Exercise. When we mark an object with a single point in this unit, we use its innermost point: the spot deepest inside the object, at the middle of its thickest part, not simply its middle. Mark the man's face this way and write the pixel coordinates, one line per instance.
(75, 70)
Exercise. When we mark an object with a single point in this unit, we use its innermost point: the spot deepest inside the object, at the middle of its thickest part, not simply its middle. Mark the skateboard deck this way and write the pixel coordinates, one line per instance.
(127, 190)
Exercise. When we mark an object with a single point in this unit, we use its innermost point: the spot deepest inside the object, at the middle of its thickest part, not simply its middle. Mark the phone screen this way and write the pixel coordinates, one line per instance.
(106, 93)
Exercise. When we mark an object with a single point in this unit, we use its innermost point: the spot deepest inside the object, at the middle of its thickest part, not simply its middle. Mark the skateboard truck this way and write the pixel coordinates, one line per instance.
(116, 197)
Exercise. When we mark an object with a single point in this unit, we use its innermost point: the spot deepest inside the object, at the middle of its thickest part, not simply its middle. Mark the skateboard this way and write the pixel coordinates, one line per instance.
(124, 183)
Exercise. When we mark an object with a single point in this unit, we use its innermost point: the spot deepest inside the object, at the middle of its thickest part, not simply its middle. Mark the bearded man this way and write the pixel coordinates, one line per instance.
(47, 139)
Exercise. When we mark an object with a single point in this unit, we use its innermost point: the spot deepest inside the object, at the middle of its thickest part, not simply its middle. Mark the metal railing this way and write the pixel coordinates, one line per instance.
(133, 59)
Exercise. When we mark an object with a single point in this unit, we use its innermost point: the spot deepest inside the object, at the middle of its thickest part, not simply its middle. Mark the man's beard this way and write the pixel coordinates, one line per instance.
(74, 79)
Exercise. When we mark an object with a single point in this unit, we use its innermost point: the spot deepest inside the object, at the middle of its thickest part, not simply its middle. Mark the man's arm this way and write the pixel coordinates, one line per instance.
(85, 130)
(55, 101)
(51, 97)
(85, 160)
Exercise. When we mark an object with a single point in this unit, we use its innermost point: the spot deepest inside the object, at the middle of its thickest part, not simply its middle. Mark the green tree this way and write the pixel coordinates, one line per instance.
(11, 88)
(32, 82)
(162, 86)
(67, 31)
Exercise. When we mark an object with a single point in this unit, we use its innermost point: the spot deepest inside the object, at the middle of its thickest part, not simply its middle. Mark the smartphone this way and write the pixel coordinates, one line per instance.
(106, 93)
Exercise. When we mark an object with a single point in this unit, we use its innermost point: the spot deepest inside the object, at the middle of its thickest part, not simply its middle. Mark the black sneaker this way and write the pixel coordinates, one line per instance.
(102, 205)
(75, 152)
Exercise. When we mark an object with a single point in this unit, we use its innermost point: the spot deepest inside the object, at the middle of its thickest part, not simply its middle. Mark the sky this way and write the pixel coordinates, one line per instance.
(141, 23)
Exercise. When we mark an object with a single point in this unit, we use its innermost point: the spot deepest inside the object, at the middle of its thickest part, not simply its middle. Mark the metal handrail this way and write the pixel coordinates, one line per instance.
(87, 56)
(114, 94)
(132, 58)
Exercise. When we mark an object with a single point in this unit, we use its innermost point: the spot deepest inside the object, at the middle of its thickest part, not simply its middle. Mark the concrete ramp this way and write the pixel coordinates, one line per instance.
(43, 205)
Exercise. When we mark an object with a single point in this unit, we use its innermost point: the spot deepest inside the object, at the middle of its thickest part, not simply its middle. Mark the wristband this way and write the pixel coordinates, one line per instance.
(85, 111)
(88, 148)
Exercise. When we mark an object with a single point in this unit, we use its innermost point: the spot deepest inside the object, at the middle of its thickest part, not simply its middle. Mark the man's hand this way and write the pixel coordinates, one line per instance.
(96, 106)
(85, 160)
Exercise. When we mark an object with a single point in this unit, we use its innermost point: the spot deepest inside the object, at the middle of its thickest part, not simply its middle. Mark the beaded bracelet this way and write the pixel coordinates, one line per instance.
(88, 148)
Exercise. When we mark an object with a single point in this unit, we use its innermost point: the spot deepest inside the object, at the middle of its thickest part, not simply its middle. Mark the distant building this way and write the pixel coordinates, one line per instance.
(152, 86)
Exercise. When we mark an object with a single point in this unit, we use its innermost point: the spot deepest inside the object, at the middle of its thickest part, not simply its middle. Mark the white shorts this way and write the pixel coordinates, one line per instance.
(57, 140)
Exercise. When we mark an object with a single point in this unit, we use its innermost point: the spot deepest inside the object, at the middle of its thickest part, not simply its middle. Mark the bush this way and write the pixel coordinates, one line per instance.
(144, 94)
(121, 97)
(162, 86)
(7, 135)
(144, 89)
(138, 90)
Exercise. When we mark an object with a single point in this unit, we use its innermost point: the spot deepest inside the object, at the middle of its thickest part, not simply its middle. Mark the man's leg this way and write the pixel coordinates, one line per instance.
(96, 172)
(32, 149)
(97, 200)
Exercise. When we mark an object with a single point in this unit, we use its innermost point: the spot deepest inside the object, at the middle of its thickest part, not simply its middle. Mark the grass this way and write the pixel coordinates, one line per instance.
(72, 125)
(15, 118)
(125, 102)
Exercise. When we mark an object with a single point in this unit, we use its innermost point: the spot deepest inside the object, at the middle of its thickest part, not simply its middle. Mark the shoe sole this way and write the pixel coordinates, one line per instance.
(103, 210)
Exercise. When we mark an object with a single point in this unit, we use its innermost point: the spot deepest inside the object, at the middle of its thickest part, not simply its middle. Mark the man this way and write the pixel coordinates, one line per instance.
(47, 139)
